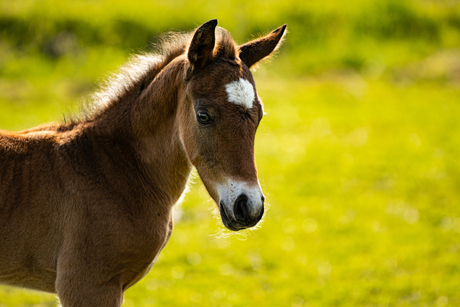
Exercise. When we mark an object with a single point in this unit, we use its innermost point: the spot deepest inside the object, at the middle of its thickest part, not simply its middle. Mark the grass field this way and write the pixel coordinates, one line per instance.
(358, 156)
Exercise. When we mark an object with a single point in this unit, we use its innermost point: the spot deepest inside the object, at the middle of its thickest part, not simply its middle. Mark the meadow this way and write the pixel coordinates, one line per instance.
(358, 154)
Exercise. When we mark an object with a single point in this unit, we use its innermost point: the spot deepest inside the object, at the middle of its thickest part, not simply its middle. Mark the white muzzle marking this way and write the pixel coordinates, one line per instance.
(231, 190)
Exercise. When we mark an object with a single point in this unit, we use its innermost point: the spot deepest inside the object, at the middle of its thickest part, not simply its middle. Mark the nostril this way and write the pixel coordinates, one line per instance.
(263, 199)
(241, 207)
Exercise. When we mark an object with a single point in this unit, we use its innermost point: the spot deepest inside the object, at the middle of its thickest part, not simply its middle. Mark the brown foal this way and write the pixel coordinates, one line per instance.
(86, 206)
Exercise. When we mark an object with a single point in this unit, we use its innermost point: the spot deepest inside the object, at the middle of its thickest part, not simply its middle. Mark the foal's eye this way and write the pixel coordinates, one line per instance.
(203, 117)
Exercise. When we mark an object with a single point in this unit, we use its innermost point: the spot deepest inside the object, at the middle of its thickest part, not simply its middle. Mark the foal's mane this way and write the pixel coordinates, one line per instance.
(141, 70)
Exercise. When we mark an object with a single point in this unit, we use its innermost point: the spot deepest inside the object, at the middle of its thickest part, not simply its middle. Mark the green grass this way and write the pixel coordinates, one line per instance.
(358, 154)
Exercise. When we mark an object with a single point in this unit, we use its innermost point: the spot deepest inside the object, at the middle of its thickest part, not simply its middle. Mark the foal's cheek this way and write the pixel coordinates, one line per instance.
(207, 161)
(212, 192)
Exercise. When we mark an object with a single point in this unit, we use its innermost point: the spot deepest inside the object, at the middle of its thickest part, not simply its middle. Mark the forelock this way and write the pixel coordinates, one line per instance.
(225, 45)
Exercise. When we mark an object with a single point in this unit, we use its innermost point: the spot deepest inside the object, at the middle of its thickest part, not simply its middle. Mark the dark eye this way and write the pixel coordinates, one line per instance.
(203, 117)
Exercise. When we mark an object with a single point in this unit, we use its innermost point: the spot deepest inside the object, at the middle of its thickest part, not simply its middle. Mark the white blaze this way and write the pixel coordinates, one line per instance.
(241, 92)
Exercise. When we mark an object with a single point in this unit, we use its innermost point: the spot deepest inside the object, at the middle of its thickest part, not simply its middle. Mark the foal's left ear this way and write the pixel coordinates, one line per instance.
(253, 52)
(201, 48)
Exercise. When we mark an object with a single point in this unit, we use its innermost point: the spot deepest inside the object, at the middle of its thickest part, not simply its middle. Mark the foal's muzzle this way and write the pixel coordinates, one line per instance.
(242, 219)
(241, 206)
(243, 213)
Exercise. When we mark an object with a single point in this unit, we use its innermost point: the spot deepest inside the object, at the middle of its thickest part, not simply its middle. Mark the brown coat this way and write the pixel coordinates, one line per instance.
(86, 206)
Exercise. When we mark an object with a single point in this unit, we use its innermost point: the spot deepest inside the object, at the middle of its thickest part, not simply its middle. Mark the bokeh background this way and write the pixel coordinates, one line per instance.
(359, 154)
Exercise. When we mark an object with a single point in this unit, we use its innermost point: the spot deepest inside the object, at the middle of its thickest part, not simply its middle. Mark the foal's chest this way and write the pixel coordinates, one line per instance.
(146, 260)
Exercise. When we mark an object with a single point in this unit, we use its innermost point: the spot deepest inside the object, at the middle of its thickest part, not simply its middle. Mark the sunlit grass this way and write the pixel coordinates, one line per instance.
(364, 207)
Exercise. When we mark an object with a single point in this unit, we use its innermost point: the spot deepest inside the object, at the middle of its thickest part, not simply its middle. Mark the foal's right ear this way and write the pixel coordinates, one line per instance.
(253, 52)
(201, 48)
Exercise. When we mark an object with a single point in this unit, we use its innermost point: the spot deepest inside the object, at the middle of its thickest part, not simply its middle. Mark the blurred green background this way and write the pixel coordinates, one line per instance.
(359, 154)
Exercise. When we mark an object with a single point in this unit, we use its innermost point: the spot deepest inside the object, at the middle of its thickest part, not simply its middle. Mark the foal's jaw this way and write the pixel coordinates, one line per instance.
(241, 205)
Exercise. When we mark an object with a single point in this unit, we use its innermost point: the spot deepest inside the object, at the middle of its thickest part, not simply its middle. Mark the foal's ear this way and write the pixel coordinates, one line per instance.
(201, 48)
(253, 52)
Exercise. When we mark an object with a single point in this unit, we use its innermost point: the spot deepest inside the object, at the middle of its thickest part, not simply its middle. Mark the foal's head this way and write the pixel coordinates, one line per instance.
(220, 113)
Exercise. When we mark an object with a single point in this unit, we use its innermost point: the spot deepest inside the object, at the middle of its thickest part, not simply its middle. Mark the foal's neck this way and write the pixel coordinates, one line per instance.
(151, 118)
(154, 121)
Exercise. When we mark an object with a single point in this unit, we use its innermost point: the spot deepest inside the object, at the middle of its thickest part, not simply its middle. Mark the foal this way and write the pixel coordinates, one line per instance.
(86, 206)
